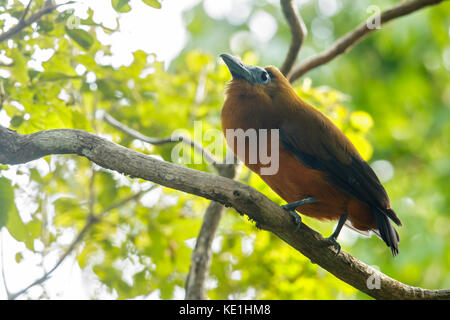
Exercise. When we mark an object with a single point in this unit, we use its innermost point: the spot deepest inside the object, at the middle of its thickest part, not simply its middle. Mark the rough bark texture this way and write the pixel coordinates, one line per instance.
(16, 148)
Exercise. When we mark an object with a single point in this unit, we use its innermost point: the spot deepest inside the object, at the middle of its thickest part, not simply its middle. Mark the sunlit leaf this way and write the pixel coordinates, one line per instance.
(153, 3)
(361, 120)
(121, 5)
(81, 37)
(56, 76)
(6, 200)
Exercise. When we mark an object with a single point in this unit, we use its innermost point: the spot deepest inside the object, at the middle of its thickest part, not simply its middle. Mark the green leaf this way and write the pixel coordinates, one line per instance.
(18, 229)
(19, 68)
(121, 5)
(56, 76)
(34, 228)
(153, 3)
(45, 26)
(18, 257)
(68, 210)
(9, 217)
(106, 187)
(63, 16)
(16, 121)
(81, 37)
(6, 200)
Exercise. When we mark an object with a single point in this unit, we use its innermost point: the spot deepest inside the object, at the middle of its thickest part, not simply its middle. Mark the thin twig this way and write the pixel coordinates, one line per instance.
(91, 200)
(6, 64)
(91, 220)
(207, 155)
(346, 42)
(25, 12)
(298, 34)
(24, 22)
(2, 95)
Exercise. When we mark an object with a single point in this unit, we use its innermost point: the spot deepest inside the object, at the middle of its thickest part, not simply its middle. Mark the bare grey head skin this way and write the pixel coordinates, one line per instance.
(239, 70)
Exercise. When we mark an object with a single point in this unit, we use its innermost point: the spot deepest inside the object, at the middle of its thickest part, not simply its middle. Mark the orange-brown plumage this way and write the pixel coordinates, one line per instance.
(315, 158)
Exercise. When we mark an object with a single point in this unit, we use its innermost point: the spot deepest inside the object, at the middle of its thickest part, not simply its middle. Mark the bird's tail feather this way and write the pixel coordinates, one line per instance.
(386, 231)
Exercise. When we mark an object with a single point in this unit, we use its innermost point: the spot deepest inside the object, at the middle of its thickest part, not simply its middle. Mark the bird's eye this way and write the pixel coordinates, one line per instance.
(264, 77)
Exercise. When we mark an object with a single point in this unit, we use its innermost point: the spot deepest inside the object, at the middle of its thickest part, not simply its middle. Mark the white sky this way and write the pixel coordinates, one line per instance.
(154, 31)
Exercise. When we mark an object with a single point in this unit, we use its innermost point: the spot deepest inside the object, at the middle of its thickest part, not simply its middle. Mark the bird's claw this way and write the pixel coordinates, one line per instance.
(332, 242)
(295, 216)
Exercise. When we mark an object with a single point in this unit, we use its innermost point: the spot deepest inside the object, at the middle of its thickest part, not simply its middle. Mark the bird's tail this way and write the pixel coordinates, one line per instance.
(385, 229)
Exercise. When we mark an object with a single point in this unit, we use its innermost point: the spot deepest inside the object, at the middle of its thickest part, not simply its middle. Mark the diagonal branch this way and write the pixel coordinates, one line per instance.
(25, 12)
(346, 42)
(25, 22)
(16, 148)
(298, 34)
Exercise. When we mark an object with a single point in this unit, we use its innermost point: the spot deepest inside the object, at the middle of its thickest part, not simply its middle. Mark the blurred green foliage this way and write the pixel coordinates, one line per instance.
(390, 94)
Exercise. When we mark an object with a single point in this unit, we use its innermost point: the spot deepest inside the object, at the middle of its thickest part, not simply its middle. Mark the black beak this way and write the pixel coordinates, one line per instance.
(237, 69)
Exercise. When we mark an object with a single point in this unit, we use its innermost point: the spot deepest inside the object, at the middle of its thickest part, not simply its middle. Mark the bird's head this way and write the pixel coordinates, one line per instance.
(250, 81)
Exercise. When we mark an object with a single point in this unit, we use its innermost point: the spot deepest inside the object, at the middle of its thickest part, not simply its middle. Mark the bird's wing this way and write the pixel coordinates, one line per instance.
(320, 145)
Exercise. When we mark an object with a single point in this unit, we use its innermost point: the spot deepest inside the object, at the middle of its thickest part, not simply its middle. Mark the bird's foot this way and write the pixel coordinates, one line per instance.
(331, 240)
(295, 216)
(293, 205)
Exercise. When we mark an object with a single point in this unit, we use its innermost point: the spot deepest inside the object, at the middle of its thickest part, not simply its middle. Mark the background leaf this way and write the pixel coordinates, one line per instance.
(81, 37)
(121, 5)
(153, 3)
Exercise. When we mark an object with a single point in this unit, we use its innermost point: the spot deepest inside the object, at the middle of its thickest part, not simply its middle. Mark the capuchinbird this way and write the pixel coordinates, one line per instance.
(320, 172)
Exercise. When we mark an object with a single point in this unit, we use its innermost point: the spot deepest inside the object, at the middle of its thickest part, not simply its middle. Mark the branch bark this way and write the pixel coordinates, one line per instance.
(298, 34)
(25, 22)
(16, 148)
(346, 42)
(222, 168)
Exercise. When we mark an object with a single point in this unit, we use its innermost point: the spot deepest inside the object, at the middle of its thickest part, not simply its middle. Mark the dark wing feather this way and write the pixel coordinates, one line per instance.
(331, 152)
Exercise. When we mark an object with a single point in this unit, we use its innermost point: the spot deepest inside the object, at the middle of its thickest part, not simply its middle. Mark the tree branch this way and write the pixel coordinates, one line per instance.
(202, 254)
(346, 42)
(207, 155)
(25, 12)
(298, 34)
(16, 148)
(25, 22)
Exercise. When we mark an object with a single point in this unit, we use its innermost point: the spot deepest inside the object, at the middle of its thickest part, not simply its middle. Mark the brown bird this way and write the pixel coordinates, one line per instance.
(321, 174)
